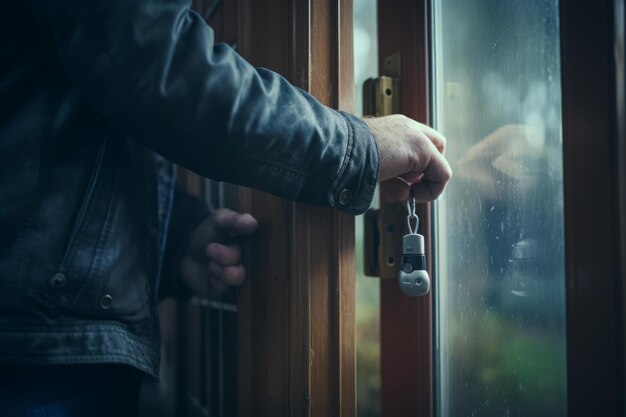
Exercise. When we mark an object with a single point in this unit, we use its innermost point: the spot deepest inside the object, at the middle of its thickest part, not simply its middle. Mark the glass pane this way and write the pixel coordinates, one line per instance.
(367, 288)
(500, 344)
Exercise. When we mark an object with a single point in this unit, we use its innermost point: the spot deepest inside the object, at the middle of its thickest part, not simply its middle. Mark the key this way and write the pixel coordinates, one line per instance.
(413, 278)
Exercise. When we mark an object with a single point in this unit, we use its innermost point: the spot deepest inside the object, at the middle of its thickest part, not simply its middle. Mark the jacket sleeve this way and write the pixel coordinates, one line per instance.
(187, 213)
(152, 69)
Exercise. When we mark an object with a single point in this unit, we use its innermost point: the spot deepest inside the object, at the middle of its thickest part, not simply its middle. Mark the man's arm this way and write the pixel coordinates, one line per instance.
(152, 69)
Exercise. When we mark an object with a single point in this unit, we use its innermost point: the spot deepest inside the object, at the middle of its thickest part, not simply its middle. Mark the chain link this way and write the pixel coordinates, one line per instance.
(410, 207)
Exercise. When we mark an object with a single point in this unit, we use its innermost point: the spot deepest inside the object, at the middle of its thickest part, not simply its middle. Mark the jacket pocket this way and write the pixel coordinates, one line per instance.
(85, 204)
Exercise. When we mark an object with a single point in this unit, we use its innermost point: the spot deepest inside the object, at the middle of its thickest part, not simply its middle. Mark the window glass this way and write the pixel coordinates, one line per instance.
(499, 289)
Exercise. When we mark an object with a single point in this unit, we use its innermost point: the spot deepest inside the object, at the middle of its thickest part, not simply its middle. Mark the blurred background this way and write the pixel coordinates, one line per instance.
(500, 346)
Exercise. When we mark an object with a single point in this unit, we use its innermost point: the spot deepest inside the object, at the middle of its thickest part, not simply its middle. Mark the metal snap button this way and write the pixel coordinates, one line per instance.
(58, 280)
(345, 196)
(106, 301)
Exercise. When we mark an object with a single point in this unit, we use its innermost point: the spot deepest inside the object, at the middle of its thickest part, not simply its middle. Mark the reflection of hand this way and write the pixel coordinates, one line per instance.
(213, 256)
(412, 151)
(506, 155)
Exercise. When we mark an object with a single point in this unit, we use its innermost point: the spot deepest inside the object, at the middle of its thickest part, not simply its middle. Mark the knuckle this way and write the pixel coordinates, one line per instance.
(409, 123)
(225, 255)
(234, 275)
(232, 255)
(223, 215)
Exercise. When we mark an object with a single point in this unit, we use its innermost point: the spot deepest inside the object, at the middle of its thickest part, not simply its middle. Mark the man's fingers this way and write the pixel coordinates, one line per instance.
(427, 185)
(435, 179)
(233, 275)
(395, 190)
(231, 222)
(224, 254)
(435, 137)
(229, 275)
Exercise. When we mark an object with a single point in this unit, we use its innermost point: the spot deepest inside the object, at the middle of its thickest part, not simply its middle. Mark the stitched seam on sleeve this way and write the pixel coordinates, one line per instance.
(289, 170)
(346, 157)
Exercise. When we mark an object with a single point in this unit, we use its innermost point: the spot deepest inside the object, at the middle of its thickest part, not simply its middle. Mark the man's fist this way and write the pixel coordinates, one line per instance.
(413, 152)
(213, 259)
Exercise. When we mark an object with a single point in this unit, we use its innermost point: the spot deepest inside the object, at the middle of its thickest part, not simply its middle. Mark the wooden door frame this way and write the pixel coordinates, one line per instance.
(406, 332)
(594, 158)
(296, 311)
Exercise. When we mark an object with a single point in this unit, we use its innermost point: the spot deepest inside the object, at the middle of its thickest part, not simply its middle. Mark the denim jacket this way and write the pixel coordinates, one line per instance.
(98, 99)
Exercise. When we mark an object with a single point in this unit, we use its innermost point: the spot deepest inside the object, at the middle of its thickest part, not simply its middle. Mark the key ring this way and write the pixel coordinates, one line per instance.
(410, 207)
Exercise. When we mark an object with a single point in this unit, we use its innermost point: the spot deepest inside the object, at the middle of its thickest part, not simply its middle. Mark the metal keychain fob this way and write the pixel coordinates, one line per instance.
(413, 278)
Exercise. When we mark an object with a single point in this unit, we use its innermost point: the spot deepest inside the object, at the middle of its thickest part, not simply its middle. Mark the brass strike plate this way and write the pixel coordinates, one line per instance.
(381, 95)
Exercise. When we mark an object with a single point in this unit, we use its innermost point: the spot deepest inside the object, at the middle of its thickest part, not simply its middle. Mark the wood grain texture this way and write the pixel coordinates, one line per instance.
(264, 300)
(296, 329)
(406, 323)
(345, 309)
(296, 351)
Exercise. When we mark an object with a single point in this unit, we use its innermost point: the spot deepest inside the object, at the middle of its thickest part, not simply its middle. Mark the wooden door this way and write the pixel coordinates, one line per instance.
(296, 333)
(283, 344)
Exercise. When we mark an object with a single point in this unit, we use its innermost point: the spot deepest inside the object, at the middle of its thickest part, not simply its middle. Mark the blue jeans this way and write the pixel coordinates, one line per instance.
(69, 391)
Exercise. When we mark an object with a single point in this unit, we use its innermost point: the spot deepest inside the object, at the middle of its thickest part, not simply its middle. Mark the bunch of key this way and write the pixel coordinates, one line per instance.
(413, 278)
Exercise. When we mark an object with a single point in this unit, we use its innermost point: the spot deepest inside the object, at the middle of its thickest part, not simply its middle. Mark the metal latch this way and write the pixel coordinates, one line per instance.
(381, 95)
(382, 240)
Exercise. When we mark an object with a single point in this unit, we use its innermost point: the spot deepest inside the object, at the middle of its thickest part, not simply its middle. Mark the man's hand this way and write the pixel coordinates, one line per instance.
(413, 152)
(511, 156)
(212, 261)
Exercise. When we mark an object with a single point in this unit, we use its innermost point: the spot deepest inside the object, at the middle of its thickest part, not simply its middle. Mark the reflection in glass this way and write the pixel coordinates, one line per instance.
(500, 301)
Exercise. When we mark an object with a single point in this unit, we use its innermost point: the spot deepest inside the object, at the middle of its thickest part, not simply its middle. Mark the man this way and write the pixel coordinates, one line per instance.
(97, 98)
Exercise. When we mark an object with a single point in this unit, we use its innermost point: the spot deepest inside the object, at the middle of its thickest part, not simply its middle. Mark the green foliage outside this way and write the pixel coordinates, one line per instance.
(497, 364)
(499, 367)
